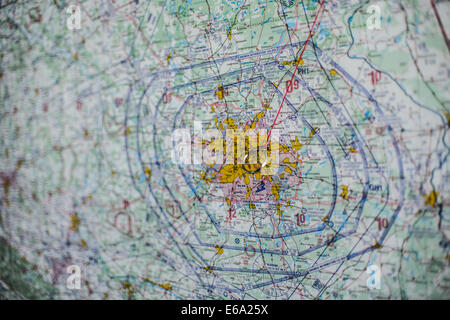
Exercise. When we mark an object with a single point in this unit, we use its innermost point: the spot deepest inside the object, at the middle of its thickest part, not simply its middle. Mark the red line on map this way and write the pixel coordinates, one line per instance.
(438, 18)
(296, 66)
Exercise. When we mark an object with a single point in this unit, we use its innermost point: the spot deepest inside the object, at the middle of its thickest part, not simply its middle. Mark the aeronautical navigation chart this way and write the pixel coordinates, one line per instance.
(224, 149)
